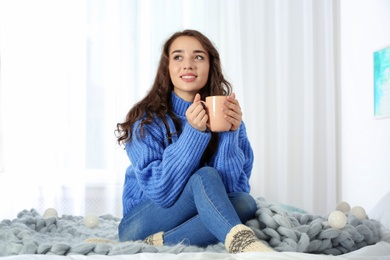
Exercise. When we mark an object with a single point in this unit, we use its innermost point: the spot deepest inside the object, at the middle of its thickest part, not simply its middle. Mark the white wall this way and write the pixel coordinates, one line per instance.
(365, 141)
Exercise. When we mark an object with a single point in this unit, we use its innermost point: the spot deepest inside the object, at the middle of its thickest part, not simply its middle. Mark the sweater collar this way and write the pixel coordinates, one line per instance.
(179, 105)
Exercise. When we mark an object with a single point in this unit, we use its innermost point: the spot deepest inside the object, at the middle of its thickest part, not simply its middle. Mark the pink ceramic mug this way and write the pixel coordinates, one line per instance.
(214, 107)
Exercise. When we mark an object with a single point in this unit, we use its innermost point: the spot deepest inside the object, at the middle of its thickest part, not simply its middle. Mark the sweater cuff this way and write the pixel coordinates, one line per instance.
(230, 137)
(194, 138)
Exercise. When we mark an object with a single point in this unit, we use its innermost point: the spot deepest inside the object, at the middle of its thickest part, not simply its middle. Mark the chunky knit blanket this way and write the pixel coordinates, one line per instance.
(283, 228)
(301, 232)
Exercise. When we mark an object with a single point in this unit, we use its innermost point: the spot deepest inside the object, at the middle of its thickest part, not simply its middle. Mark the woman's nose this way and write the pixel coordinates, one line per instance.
(188, 64)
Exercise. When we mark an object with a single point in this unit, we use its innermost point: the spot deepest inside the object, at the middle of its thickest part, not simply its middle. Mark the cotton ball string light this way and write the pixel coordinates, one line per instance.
(91, 221)
(50, 213)
(337, 219)
(343, 207)
(359, 212)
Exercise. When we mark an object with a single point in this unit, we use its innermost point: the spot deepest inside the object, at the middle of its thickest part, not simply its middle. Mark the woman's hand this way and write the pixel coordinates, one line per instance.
(233, 112)
(196, 115)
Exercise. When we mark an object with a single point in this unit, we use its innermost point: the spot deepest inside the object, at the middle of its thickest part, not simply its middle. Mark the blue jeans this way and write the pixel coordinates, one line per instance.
(203, 214)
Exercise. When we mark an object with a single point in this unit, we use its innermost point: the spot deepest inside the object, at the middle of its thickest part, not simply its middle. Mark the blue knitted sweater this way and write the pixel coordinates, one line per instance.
(160, 168)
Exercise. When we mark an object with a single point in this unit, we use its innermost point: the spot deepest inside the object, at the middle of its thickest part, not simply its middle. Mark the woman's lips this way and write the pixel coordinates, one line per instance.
(188, 78)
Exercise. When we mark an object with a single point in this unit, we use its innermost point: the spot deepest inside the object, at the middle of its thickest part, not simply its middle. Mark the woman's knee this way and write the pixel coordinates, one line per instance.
(207, 172)
(208, 176)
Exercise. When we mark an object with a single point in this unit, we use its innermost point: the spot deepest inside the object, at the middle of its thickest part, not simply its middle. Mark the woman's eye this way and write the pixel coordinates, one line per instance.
(177, 57)
(198, 57)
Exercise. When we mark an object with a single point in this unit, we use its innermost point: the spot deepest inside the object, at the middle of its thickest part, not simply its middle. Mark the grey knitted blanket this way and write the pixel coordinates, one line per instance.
(283, 228)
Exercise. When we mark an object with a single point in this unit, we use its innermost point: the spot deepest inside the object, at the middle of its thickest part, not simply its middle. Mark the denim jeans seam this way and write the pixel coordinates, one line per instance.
(212, 204)
(179, 226)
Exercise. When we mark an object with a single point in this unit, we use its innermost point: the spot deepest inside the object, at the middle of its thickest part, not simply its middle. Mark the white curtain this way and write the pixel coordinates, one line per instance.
(70, 70)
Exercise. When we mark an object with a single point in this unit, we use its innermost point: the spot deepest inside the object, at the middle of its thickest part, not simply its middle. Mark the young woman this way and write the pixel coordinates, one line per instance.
(186, 184)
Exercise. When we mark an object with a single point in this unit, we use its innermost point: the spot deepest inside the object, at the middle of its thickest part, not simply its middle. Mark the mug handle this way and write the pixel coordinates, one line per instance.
(207, 112)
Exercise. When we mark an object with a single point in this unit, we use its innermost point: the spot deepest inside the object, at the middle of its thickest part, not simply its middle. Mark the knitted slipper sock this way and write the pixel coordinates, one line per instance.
(155, 239)
(242, 239)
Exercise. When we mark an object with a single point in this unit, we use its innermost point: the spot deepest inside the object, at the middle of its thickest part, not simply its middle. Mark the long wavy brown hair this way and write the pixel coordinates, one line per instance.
(157, 102)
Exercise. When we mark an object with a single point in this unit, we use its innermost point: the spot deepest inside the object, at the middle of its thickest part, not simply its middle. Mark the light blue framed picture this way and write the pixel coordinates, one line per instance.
(382, 83)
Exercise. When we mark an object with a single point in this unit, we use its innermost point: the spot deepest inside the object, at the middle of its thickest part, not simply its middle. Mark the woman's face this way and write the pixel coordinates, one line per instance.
(189, 66)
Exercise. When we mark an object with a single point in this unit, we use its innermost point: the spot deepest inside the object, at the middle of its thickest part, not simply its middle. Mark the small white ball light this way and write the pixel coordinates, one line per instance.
(343, 207)
(91, 221)
(337, 219)
(50, 213)
(359, 212)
